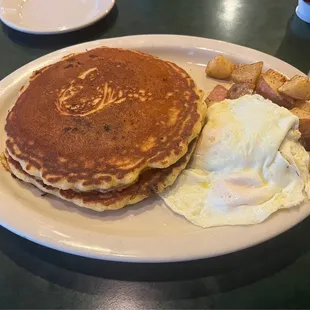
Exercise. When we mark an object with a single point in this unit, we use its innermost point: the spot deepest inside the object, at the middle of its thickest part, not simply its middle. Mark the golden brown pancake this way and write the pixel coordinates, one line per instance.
(150, 182)
(96, 120)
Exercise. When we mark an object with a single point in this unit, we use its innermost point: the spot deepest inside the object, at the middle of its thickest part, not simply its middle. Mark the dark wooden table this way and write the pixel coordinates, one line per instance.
(275, 274)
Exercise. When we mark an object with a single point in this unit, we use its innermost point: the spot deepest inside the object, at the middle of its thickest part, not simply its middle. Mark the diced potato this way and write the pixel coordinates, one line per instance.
(302, 111)
(266, 87)
(247, 73)
(298, 88)
(240, 89)
(220, 67)
(274, 78)
(217, 94)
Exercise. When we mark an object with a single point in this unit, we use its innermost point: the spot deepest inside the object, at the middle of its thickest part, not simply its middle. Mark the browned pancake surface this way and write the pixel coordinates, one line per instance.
(97, 119)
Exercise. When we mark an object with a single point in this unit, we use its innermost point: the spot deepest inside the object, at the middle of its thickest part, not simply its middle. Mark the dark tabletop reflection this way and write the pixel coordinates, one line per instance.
(295, 47)
(164, 281)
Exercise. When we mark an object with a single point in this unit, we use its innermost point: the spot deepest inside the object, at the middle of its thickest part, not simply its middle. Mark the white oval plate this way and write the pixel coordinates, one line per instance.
(148, 231)
(52, 16)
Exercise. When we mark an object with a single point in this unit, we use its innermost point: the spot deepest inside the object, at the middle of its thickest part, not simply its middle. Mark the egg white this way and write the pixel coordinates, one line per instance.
(247, 165)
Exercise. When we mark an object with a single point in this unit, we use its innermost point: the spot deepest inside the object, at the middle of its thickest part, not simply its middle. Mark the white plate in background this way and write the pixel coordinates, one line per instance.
(148, 231)
(52, 16)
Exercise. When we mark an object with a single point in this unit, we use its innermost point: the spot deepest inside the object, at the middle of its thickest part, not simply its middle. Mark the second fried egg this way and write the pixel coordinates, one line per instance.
(248, 164)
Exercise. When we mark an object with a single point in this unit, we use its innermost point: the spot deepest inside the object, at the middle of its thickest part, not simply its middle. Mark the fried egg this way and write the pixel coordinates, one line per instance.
(248, 164)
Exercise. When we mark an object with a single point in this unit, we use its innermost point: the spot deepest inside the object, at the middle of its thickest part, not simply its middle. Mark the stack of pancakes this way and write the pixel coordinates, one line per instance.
(105, 128)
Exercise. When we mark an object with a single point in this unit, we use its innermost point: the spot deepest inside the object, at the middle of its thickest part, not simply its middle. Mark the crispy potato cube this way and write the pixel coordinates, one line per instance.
(247, 73)
(220, 67)
(266, 88)
(240, 89)
(302, 111)
(268, 85)
(217, 94)
(274, 78)
(298, 88)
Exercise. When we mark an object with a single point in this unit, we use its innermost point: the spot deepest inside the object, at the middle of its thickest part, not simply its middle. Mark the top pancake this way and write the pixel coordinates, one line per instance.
(95, 120)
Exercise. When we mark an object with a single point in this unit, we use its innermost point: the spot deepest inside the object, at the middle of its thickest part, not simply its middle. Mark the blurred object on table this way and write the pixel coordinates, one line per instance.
(54, 42)
(303, 10)
(52, 16)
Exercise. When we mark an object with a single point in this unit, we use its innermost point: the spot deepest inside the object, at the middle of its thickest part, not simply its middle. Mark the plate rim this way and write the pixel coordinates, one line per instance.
(59, 31)
(21, 73)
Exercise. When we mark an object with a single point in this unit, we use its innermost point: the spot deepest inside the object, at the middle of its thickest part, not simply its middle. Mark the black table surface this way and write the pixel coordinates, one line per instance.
(275, 274)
